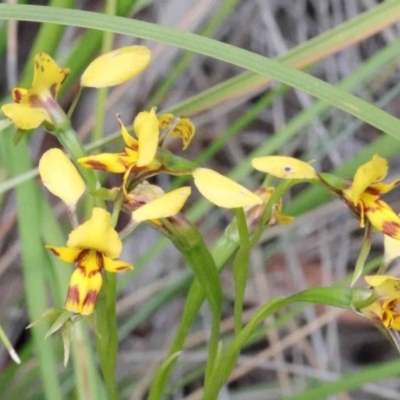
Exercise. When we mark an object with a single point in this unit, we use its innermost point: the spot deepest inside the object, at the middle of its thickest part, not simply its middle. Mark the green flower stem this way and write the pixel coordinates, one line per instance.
(326, 295)
(107, 339)
(240, 267)
(71, 142)
(221, 253)
(362, 257)
(189, 241)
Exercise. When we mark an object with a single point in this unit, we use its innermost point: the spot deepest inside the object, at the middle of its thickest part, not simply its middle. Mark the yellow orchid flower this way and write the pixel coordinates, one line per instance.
(38, 104)
(93, 246)
(139, 154)
(60, 177)
(386, 310)
(365, 195)
(116, 67)
(284, 167)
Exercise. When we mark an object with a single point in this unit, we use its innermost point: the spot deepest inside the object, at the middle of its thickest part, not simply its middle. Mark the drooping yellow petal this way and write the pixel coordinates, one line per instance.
(370, 172)
(83, 291)
(222, 191)
(382, 188)
(391, 249)
(48, 76)
(284, 167)
(130, 141)
(384, 285)
(184, 128)
(116, 67)
(116, 265)
(165, 206)
(97, 234)
(24, 116)
(65, 253)
(146, 127)
(113, 162)
(383, 218)
(60, 176)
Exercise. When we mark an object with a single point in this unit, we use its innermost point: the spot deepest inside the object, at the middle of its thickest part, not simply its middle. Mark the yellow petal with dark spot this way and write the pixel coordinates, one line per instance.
(116, 265)
(48, 76)
(65, 253)
(284, 167)
(383, 218)
(83, 291)
(117, 163)
(370, 172)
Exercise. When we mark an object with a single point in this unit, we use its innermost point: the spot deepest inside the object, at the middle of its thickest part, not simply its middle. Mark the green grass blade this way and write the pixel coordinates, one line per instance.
(350, 381)
(224, 52)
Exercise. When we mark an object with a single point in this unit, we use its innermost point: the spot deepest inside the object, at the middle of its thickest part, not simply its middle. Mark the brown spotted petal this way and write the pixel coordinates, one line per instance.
(383, 218)
(83, 290)
(112, 162)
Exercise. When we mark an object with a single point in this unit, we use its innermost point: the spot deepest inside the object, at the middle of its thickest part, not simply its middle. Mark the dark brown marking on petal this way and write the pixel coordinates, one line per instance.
(390, 228)
(90, 298)
(73, 294)
(123, 268)
(37, 65)
(93, 273)
(372, 190)
(53, 89)
(96, 164)
(54, 251)
(82, 270)
(17, 96)
(99, 260)
(81, 256)
(42, 68)
(34, 101)
(65, 73)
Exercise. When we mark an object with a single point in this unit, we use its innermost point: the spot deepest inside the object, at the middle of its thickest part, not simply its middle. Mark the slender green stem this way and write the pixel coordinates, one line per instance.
(107, 342)
(240, 267)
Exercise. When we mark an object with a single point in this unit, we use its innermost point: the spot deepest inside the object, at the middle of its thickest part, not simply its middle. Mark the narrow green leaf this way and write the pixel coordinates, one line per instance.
(350, 381)
(362, 257)
(333, 296)
(222, 51)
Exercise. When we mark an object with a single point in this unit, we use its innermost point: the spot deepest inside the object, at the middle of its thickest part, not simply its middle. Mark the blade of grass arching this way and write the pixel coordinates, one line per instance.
(221, 51)
(34, 262)
(350, 381)
(305, 54)
(224, 10)
(334, 296)
(365, 73)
